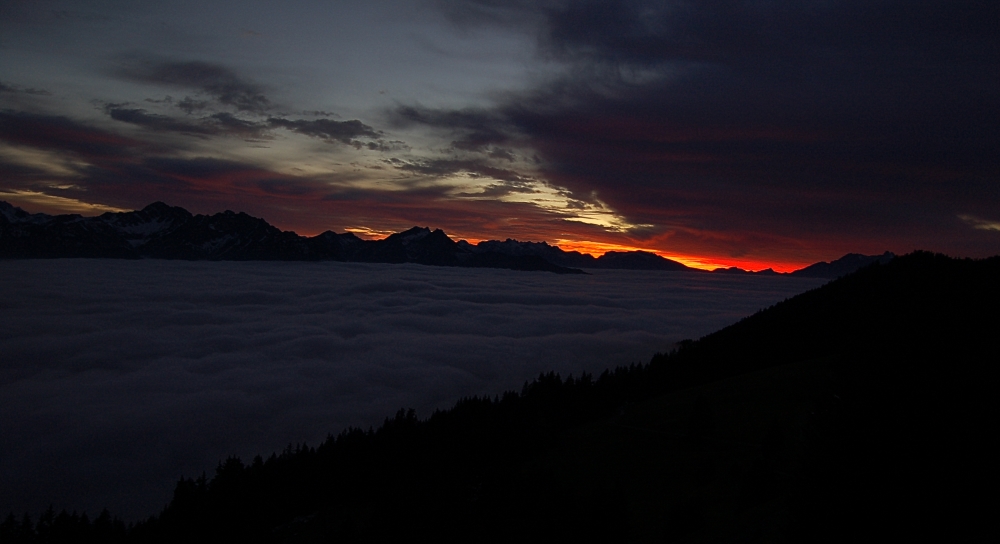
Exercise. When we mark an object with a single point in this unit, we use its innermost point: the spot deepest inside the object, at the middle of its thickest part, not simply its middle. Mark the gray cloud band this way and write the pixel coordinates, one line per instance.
(118, 377)
(219, 82)
(769, 116)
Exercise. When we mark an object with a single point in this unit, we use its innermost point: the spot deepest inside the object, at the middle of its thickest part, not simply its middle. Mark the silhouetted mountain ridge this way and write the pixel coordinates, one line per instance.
(842, 266)
(161, 231)
(630, 260)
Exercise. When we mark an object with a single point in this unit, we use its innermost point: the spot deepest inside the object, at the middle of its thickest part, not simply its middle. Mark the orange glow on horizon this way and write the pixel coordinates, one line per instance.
(597, 249)
(593, 248)
(600, 248)
(700, 262)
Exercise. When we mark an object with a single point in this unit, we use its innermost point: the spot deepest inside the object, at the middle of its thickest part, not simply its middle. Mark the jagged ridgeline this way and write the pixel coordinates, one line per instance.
(864, 407)
(159, 231)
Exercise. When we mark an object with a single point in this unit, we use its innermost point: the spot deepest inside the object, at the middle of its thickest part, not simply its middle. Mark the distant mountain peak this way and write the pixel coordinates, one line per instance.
(639, 260)
(832, 270)
(171, 232)
(412, 234)
(13, 214)
(842, 266)
(158, 206)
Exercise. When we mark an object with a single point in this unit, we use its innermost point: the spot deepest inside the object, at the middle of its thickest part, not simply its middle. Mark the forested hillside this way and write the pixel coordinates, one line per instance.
(863, 407)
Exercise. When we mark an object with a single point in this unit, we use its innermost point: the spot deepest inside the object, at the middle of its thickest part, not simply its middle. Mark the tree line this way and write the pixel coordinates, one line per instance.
(913, 344)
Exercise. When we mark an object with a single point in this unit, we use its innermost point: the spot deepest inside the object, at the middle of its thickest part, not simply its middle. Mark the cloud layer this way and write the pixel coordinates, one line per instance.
(727, 131)
(212, 80)
(732, 125)
(119, 377)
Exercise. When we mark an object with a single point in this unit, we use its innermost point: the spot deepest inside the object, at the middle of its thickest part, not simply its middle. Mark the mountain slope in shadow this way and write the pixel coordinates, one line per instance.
(865, 406)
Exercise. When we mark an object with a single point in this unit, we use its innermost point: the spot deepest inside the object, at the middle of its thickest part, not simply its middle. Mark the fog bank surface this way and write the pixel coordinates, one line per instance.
(118, 377)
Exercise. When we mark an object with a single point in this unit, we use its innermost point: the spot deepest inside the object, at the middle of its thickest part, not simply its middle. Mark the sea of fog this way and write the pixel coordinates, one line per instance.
(118, 377)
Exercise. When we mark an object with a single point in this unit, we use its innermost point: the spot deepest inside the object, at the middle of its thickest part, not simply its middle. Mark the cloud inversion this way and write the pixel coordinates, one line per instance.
(118, 377)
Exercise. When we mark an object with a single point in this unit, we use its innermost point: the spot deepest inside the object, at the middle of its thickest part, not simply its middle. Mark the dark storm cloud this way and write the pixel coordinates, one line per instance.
(203, 183)
(214, 80)
(97, 165)
(125, 172)
(222, 123)
(196, 168)
(19, 175)
(225, 123)
(501, 153)
(496, 12)
(118, 377)
(326, 129)
(832, 118)
(189, 105)
(59, 133)
(649, 32)
(226, 178)
(120, 171)
(345, 132)
(449, 167)
(386, 146)
(5, 88)
(228, 123)
(141, 117)
(475, 129)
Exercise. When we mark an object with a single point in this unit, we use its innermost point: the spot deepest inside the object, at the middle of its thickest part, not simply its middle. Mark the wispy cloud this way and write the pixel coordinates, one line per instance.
(980, 224)
(11, 88)
(345, 132)
(218, 82)
(57, 132)
(57, 204)
(472, 129)
(222, 123)
(750, 123)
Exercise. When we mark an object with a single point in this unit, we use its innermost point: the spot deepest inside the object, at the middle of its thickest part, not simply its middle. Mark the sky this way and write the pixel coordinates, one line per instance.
(718, 133)
(118, 377)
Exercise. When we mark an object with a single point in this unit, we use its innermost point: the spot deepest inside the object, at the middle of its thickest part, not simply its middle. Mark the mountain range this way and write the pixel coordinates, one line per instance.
(160, 231)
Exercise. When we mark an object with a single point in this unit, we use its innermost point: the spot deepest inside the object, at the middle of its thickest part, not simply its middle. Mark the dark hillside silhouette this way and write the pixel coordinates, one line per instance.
(842, 266)
(864, 407)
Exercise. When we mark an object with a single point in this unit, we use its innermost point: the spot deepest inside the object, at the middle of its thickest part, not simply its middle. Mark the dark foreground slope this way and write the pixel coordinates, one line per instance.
(864, 407)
